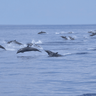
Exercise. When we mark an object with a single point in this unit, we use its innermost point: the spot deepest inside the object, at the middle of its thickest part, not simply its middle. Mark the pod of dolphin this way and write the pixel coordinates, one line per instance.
(30, 48)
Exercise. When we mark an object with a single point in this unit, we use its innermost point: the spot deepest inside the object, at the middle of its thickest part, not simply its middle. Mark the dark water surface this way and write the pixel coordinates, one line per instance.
(37, 74)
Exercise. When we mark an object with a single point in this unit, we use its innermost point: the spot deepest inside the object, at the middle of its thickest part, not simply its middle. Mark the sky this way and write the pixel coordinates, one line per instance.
(47, 12)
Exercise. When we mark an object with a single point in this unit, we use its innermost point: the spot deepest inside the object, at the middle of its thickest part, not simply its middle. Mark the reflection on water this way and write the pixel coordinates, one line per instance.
(28, 57)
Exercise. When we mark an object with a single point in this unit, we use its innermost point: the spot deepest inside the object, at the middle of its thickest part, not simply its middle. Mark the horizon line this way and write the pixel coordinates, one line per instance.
(40, 24)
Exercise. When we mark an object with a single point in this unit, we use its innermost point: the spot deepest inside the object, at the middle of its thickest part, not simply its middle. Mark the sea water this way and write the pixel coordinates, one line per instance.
(36, 73)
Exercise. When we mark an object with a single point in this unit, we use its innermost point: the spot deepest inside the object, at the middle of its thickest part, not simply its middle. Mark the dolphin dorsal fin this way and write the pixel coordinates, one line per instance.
(56, 52)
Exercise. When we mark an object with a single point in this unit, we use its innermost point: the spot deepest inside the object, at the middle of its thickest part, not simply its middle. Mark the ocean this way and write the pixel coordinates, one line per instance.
(35, 73)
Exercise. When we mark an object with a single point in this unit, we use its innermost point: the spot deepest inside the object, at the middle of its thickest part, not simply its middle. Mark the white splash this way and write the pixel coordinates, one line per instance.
(38, 42)
(57, 33)
(35, 44)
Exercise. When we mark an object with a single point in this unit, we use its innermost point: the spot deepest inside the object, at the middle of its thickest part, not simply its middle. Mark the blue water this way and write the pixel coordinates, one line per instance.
(37, 74)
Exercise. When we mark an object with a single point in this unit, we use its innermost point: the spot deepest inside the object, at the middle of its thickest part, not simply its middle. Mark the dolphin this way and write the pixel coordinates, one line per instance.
(53, 54)
(93, 34)
(64, 37)
(30, 44)
(88, 94)
(15, 42)
(2, 47)
(90, 31)
(41, 32)
(26, 49)
(71, 38)
(70, 32)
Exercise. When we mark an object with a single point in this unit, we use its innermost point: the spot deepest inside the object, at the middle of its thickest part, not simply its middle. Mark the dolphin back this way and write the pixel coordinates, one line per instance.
(53, 54)
(2, 47)
(26, 49)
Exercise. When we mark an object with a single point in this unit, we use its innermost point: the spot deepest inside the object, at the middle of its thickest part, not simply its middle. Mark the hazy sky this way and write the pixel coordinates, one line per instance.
(45, 12)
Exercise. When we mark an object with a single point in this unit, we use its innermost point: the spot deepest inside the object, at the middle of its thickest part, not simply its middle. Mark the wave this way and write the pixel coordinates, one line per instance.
(92, 49)
(78, 53)
(82, 53)
(67, 54)
(63, 32)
